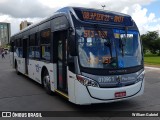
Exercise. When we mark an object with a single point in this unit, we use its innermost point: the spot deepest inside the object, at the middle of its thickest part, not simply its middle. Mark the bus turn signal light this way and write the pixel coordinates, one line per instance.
(87, 81)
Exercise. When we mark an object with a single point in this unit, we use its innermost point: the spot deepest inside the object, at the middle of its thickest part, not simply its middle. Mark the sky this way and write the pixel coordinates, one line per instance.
(146, 13)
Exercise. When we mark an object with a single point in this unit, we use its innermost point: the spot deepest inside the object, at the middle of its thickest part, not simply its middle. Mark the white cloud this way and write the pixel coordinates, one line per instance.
(15, 22)
(2, 1)
(24, 8)
(145, 21)
(110, 4)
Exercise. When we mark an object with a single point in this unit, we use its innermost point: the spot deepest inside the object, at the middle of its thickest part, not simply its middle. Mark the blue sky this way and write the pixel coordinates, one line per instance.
(154, 7)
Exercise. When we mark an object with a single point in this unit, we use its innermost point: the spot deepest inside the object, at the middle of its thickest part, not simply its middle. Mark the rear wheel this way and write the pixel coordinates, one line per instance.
(46, 82)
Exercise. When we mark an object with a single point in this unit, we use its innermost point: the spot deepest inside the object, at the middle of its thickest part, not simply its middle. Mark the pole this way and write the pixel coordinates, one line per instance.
(103, 6)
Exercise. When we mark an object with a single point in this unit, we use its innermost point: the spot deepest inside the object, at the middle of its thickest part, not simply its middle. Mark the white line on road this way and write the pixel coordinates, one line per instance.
(153, 68)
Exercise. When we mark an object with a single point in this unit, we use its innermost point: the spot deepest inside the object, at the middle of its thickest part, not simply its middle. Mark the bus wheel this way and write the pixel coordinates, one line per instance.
(46, 83)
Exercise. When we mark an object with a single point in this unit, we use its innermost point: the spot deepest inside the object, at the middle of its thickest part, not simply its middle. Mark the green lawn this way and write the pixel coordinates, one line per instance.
(152, 60)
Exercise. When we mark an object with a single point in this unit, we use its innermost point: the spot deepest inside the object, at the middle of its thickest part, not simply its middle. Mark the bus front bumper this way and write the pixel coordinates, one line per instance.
(91, 95)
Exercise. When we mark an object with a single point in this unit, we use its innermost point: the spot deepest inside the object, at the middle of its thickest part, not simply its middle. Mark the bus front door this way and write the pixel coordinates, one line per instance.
(61, 38)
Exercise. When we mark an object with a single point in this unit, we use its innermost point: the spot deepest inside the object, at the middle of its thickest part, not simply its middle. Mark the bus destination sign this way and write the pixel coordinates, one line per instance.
(103, 17)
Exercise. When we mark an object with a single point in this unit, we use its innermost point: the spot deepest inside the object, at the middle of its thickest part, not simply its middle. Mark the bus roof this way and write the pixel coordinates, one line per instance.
(66, 9)
(38, 23)
(80, 12)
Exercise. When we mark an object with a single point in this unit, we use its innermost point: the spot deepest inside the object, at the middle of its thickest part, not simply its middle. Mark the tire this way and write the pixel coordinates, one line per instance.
(46, 82)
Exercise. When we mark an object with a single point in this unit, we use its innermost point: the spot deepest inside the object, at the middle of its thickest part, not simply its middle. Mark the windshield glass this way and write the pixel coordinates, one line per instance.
(128, 48)
(108, 48)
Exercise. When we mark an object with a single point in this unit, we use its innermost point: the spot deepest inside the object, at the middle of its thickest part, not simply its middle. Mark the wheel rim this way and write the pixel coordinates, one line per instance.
(46, 82)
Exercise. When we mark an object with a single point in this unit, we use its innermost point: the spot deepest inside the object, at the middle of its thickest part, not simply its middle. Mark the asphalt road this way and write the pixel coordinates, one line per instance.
(19, 93)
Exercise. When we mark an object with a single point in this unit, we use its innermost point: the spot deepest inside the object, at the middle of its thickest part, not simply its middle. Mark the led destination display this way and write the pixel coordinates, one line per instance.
(90, 15)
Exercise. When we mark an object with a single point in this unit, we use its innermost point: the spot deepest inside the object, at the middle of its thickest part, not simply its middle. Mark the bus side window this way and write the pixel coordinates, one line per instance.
(34, 49)
(45, 36)
(31, 45)
(18, 48)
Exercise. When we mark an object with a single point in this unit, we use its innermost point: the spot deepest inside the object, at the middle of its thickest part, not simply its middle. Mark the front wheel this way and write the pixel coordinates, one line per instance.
(46, 83)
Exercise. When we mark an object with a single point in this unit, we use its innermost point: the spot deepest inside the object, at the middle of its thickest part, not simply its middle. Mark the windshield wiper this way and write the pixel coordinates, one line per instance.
(108, 43)
(122, 44)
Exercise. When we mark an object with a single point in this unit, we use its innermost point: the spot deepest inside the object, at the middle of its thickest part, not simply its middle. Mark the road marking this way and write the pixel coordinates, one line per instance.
(153, 68)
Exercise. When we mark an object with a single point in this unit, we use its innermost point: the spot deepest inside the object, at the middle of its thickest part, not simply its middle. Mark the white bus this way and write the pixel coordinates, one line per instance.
(86, 55)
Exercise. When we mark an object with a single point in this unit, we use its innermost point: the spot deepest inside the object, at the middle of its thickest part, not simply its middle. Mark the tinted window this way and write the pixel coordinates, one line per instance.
(45, 36)
(34, 48)
(32, 40)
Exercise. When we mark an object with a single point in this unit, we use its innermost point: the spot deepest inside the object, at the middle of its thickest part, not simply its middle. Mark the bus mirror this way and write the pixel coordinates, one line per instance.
(72, 45)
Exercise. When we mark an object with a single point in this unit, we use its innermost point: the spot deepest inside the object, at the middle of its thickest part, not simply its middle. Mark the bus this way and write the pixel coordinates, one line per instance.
(86, 55)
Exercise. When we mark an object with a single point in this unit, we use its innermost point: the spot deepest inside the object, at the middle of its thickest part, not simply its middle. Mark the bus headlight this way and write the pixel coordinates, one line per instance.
(87, 81)
(140, 77)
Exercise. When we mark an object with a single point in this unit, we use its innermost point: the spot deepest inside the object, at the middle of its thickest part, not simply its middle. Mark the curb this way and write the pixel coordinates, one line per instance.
(153, 68)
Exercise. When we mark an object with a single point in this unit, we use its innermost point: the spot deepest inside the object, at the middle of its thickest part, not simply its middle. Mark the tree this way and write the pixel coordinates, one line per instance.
(157, 46)
(144, 43)
(150, 42)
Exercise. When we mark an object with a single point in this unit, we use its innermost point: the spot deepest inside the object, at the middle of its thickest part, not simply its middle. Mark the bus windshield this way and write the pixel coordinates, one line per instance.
(114, 50)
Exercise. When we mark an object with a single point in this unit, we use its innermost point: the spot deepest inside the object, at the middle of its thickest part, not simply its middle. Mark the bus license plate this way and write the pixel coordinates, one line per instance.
(120, 94)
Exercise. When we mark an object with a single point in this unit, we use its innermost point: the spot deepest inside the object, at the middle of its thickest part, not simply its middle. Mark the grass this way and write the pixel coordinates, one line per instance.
(151, 59)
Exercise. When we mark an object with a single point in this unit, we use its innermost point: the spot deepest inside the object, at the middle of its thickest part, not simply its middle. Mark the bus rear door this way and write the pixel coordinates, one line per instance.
(25, 54)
